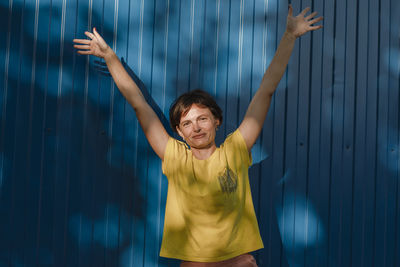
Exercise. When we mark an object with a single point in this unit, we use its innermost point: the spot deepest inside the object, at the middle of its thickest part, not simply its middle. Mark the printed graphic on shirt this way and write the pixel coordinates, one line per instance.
(228, 180)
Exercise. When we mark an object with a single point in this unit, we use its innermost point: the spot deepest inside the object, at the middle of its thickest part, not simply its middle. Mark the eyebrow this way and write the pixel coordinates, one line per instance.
(206, 115)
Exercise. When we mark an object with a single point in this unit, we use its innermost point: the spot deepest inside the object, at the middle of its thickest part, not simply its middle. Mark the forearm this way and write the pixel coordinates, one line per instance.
(148, 119)
(259, 105)
(124, 82)
(257, 111)
(277, 67)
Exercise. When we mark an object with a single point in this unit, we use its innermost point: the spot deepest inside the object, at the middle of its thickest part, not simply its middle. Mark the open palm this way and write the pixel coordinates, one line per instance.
(302, 24)
(95, 45)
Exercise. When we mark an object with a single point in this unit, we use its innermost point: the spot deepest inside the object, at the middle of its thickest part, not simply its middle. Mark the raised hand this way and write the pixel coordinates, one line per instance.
(301, 24)
(95, 45)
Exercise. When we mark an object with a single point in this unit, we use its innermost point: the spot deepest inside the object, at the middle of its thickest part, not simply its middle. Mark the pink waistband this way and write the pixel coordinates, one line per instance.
(245, 260)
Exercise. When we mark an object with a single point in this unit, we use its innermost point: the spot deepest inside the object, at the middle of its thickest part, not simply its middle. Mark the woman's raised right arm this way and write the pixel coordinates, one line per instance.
(148, 119)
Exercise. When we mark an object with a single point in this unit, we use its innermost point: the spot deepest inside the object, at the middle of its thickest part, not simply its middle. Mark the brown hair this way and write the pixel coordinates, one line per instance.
(183, 103)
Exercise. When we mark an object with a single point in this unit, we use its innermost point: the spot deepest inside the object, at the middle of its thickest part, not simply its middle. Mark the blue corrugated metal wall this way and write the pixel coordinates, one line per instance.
(79, 185)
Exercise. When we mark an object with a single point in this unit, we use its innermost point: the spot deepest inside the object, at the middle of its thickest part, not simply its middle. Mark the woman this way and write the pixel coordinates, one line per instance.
(209, 216)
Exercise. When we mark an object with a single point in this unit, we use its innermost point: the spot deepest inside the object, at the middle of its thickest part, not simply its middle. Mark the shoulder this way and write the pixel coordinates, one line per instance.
(236, 138)
(176, 151)
(235, 144)
(174, 147)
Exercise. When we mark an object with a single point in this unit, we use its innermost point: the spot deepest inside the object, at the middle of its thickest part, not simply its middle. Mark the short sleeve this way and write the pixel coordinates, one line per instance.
(174, 154)
(168, 155)
(235, 144)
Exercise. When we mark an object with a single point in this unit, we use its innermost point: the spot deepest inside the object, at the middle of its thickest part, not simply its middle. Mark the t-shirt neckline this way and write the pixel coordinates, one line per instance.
(207, 159)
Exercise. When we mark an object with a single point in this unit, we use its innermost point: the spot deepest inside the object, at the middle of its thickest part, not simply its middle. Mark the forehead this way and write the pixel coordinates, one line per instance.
(195, 111)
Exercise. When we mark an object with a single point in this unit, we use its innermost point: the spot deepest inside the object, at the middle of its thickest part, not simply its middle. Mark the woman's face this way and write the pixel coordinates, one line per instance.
(198, 127)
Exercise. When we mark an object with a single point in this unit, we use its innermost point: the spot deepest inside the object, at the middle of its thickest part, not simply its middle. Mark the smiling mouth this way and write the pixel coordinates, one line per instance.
(199, 136)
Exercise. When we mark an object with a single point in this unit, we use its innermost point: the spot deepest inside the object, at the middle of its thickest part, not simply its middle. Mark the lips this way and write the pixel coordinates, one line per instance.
(198, 136)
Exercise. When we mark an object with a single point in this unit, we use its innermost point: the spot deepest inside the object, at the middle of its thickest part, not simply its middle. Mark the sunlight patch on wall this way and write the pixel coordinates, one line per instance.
(299, 224)
(392, 60)
(258, 153)
(133, 255)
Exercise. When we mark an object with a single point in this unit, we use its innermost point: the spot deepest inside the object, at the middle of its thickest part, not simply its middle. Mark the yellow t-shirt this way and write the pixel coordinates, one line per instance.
(209, 215)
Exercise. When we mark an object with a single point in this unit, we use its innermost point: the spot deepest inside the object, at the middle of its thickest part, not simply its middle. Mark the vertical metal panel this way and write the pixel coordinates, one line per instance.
(316, 227)
(80, 186)
(273, 181)
(394, 236)
(325, 167)
(359, 190)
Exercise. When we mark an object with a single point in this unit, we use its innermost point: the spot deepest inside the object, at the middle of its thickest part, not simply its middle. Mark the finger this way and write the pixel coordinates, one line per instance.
(86, 47)
(97, 34)
(81, 41)
(304, 12)
(290, 10)
(83, 52)
(311, 16)
(315, 20)
(89, 34)
(313, 28)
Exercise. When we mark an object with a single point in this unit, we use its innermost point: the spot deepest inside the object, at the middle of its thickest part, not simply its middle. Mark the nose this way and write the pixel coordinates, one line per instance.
(196, 127)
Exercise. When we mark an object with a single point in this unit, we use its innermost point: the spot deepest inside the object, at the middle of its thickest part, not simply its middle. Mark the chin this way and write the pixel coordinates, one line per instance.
(201, 144)
(197, 145)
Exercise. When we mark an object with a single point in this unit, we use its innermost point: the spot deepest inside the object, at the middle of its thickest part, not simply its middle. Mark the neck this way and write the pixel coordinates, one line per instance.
(203, 153)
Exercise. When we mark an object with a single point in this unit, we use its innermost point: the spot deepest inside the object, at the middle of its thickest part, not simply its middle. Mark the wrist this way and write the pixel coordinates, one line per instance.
(290, 36)
(109, 53)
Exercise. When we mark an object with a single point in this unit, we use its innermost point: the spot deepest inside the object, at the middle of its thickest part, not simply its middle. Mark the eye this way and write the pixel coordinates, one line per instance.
(186, 124)
(203, 118)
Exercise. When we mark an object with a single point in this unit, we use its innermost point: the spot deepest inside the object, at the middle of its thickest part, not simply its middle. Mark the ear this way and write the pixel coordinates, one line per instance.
(217, 123)
(179, 132)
